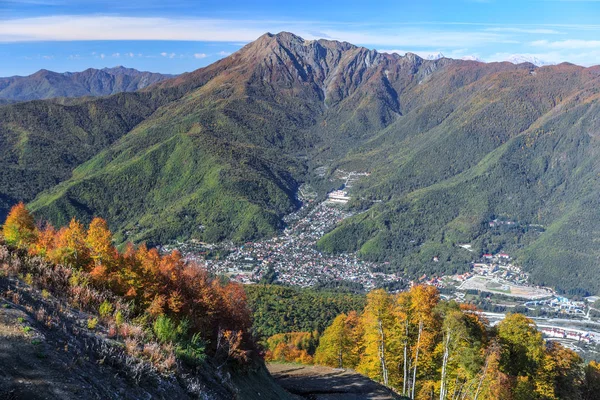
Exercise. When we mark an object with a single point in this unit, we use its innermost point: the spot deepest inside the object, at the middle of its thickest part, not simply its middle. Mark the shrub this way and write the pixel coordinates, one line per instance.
(152, 351)
(131, 346)
(119, 318)
(193, 352)
(165, 329)
(92, 323)
(106, 309)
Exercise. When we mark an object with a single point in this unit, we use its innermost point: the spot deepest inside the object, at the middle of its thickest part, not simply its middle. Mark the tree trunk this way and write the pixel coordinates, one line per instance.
(445, 365)
(404, 370)
(414, 381)
(487, 361)
(382, 354)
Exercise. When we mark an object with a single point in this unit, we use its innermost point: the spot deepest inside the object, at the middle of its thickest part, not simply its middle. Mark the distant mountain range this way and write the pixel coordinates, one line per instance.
(46, 84)
(219, 154)
(523, 58)
(514, 59)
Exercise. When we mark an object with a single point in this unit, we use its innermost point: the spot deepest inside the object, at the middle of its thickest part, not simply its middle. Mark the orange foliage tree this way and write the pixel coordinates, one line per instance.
(156, 285)
(19, 228)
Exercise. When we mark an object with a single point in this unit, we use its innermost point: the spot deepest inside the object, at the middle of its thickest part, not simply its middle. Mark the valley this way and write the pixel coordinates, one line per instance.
(494, 283)
(303, 200)
(432, 151)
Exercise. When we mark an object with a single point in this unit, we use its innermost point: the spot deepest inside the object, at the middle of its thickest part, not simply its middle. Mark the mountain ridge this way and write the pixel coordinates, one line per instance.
(220, 152)
(45, 84)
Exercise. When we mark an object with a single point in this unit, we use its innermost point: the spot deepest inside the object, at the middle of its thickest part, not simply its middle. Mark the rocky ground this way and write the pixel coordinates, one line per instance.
(36, 363)
(47, 353)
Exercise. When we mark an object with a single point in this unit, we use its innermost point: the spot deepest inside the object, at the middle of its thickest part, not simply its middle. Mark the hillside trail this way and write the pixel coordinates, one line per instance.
(324, 383)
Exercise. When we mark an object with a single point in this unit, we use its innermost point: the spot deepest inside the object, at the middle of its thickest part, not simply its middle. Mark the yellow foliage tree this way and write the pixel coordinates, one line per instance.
(424, 328)
(338, 342)
(99, 242)
(379, 339)
(19, 227)
(71, 248)
(591, 386)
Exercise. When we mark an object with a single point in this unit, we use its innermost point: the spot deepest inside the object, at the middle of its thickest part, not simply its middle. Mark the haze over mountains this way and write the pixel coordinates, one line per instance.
(219, 153)
(46, 84)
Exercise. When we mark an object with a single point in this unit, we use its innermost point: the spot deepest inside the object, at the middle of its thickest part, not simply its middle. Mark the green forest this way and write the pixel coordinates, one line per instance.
(218, 155)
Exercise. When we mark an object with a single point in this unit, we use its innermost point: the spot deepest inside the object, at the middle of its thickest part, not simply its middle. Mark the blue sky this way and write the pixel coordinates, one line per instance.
(182, 35)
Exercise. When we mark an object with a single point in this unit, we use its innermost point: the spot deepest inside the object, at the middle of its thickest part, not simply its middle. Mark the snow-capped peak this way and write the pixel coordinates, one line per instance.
(524, 58)
(470, 58)
(434, 56)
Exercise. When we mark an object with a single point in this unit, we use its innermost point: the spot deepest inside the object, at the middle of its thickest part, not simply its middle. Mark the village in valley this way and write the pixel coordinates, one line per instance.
(292, 258)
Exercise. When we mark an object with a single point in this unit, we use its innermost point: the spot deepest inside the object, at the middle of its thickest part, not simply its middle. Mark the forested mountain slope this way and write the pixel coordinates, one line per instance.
(46, 84)
(451, 145)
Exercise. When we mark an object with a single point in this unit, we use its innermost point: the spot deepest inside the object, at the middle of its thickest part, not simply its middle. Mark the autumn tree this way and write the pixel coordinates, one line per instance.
(591, 385)
(491, 382)
(101, 250)
(336, 345)
(291, 347)
(461, 349)
(19, 227)
(158, 287)
(559, 375)
(45, 242)
(403, 314)
(522, 352)
(424, 325)
(70, 247)
(377, 321)
(521, 344)
(356, 334)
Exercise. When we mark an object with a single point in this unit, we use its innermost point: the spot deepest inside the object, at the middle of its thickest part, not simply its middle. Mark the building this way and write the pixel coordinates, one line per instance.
(338, 196)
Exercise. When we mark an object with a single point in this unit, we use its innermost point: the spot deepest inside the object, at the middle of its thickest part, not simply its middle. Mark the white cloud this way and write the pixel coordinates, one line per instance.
(97, 27)
(83, 27)
(543, 31)
(116, 55)
(569, 44)
(199, 55)
(224, 53)
(48, 57)
(454, 40)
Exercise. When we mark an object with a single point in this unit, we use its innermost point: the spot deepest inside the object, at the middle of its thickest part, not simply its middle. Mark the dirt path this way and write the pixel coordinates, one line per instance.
(324, 383)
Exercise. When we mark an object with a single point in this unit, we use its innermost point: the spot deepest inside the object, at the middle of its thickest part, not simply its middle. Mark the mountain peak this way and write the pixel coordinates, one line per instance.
(436, 56)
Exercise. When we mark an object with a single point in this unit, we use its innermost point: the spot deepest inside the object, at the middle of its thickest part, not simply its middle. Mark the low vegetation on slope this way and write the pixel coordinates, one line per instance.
(149, 316)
